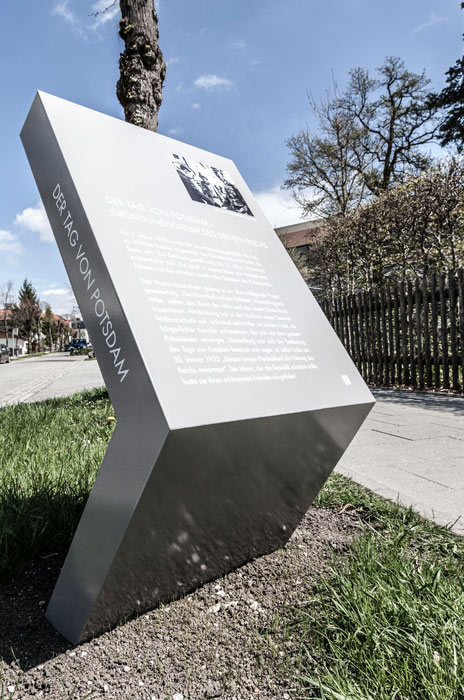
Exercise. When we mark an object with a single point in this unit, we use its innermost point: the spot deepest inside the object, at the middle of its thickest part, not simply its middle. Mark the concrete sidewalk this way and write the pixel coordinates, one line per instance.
(86, 375)
(38, 378)
(411, 449)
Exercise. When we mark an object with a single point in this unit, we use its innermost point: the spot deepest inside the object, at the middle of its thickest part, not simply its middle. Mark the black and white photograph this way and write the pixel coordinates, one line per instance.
(210, 185)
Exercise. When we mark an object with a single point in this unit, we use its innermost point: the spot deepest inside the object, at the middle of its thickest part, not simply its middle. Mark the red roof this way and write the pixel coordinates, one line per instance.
(57, 317)
(9, 312)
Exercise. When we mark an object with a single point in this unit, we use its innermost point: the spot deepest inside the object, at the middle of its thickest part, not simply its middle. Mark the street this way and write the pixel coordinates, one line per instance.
(38, 378)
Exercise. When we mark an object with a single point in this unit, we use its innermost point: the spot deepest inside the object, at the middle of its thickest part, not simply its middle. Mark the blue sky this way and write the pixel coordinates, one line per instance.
(237, 82)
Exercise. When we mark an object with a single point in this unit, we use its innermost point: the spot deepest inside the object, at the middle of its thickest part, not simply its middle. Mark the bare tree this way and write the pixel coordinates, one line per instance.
(142, 68)
(397, 117)
(6, 298)
(323, 172)
(72, 301)
(368, 139)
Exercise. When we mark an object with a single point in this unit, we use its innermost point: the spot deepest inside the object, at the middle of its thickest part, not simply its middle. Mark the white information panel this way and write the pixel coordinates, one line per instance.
(234, 396)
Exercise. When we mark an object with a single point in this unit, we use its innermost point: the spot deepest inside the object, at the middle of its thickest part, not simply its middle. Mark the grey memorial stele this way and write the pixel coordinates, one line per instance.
(233, 395)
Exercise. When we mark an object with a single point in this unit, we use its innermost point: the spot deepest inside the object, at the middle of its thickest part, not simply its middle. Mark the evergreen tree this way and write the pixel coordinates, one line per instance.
(451, 100)
(26, 314)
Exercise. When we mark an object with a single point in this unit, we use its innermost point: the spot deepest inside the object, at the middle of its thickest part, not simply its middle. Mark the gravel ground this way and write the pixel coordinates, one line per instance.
(225, 640)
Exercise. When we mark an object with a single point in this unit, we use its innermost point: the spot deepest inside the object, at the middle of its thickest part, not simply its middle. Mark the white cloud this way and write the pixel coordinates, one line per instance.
(279, 206)
(433, 19)
(98, 14)
(176, 131)
(173, 60)
(9, 244)
(253, 64)
(53, 292)
(61, 299)
(195, 105)
(62, 9)
(211, 81)
(239, 44)
(34, 219)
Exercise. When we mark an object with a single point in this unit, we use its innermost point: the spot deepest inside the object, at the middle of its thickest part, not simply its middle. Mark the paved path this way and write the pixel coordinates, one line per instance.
(411, 448)
(37, 378)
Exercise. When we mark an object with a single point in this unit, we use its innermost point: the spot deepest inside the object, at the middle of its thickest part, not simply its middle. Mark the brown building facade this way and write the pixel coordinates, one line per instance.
(298, 236)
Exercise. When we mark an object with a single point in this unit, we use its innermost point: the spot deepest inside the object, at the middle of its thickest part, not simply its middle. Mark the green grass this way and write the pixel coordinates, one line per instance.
(388, 622)
(50, 453)
(32, 354)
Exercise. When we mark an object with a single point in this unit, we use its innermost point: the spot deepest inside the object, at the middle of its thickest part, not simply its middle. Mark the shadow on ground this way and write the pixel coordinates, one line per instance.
(450, 403)
(25, 635)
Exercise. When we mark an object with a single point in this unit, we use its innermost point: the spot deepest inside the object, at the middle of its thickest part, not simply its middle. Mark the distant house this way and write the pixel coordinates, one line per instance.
(77, 327)
(63, 333)
(62, 321)
(298, 237)
(297, 240)
(9, 336)
(17, 342)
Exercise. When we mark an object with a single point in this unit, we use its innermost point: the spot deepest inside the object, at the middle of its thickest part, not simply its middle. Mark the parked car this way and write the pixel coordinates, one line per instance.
(76, 344)
(4, 354)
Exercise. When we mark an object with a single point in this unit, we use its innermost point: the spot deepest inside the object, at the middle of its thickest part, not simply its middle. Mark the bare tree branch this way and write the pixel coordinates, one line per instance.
(103, 12)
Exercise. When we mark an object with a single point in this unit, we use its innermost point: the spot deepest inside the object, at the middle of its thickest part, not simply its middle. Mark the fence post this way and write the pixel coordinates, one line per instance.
(359, 306)
(390, 336)
(428, 366)
(380, 362)
(434, 331)
(386, 361)
(372, 334)
(461, 320)
(352, 333)
(399, 374)
(444, 331)
(348, 336)
(404, 335)
(412, 344)
(420, 359)
(453, 330)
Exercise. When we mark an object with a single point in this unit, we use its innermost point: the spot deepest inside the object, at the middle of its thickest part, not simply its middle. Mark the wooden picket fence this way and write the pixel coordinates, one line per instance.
(410, 334)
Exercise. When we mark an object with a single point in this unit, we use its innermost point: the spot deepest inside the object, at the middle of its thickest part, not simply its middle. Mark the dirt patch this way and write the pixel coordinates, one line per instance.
(222, 641)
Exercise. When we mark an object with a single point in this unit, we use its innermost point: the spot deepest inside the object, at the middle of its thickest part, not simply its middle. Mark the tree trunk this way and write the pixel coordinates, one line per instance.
(5, 321)
(142, 69)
